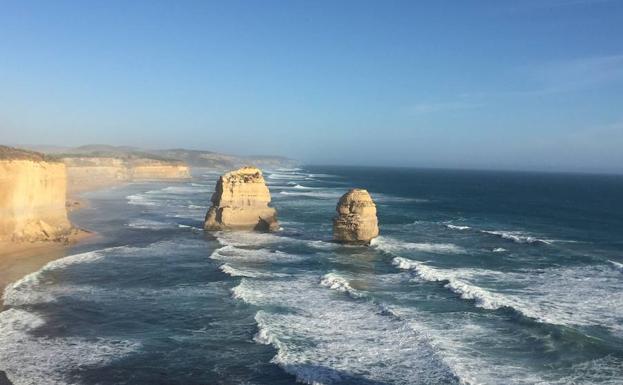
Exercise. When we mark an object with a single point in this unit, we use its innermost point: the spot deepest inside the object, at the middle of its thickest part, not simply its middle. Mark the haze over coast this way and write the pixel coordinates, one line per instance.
(281, 192)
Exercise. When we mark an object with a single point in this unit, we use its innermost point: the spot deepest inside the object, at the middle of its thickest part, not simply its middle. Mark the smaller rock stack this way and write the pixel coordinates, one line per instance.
(356, 220)
(240, 202)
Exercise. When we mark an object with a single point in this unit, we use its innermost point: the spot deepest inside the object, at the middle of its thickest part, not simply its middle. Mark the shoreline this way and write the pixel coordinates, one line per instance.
(20, 259)
(17, 260)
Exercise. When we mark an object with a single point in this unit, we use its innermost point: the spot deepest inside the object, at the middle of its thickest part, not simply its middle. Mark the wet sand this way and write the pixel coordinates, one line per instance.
(19, 259)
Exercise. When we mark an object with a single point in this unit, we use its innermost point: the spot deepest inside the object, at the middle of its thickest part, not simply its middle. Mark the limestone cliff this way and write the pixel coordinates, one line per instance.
(32, 197)
(240, 202)
(90, 172)
(356, 220)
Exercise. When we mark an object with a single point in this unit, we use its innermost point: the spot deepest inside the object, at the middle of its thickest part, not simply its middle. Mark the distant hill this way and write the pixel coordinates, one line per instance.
(216, 160)
(194, 158)
(12, 153)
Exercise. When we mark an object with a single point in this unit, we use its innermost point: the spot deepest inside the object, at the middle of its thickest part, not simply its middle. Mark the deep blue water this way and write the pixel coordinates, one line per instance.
(477, 277)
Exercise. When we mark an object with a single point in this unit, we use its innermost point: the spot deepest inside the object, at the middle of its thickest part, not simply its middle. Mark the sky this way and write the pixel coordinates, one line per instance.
(526, 85)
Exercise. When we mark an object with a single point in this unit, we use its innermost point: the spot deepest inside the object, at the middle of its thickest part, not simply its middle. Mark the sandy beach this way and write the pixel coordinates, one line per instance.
(18, 260)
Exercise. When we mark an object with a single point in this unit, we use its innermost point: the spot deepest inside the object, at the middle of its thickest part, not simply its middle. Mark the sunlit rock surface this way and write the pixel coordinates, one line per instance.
(356, 220)
(240, 202)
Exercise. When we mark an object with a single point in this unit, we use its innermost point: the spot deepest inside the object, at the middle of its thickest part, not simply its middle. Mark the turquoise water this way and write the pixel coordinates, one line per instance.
(477, 277)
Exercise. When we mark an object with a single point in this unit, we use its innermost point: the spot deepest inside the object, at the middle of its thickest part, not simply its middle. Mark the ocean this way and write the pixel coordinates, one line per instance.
(477, 278)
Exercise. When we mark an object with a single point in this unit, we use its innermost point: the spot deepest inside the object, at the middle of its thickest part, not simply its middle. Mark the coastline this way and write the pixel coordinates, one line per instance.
(20, 259)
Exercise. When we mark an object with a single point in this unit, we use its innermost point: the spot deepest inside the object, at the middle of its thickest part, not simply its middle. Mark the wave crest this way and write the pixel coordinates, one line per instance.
(392, 245)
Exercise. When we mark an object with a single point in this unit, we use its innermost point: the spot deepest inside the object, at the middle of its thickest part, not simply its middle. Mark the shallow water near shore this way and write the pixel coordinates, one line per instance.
(477, 277)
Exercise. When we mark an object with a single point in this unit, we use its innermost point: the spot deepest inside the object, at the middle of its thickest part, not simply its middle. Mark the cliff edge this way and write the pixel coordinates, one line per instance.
(240, 202)
(356, 220)
(32, 197)
(88, 172)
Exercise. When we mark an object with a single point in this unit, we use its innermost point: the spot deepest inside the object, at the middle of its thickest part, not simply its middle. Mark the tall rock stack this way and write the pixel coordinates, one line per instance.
(356, 220)
(240, 202)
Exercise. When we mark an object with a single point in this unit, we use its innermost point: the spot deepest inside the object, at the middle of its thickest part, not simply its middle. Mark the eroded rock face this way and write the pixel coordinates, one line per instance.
(90, 173)
(32, 200)
(240, 202)
(356, 220)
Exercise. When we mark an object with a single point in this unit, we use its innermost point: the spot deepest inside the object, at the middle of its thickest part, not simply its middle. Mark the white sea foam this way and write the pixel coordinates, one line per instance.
(30, 360)
(140, 200)
(313, 194)
(392, 245)
(189, 227)
(518, 237)
(617, 265)
(335, 281)
(248, 272)
(388, 199)
(300, 187)
(248, 238)
(482, 297)
(184, 189)
(323, 245)
(327, 339)
(232, 253)
(499, 250)
(140, 223)
(604, 371)
(285, 176)
(573, 296)
(321, 176)
(456, 227)
(460, 338)
(235, 272)
(30, 289)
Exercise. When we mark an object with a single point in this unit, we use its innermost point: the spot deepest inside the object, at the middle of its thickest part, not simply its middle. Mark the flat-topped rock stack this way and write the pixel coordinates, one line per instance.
(240, 202)
(356, 220)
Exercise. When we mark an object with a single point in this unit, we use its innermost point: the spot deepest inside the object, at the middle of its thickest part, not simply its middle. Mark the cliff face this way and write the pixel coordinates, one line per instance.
(356, 220)
(32, 200)
(240, 202)
(192, 158)
(148, 169)
(87, 173)
(219, 161)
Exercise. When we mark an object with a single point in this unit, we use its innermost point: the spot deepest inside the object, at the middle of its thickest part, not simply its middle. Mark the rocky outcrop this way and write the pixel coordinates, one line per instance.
(240, 202)
(89, 173)
(32, 197)
(356, 220)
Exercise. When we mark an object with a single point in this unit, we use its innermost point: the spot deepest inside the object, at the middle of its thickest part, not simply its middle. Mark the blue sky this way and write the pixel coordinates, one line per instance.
(535, 85)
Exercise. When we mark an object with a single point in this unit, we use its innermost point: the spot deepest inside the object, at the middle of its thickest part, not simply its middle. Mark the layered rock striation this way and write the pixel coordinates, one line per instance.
(32, 197)
(240, 202)
(356, 220)
(92, 172)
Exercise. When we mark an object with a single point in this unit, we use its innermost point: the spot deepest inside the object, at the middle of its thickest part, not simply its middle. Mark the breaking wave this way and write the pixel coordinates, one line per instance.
(313, 194)
(517, 237)
(392, 245)
(456, 227)
(336, 282)
(573, 296)
(29, 290)
(33, 360)
(285, 176)
(328, 340)
(617, 265)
